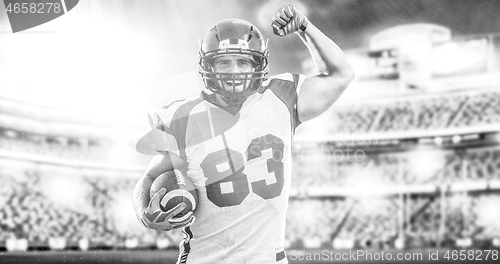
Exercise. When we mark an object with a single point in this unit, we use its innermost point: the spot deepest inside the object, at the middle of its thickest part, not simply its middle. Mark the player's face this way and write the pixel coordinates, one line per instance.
(234, 64)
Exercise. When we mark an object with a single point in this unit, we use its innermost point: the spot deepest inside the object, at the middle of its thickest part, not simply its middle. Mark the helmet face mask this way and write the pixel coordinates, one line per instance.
(233, 37)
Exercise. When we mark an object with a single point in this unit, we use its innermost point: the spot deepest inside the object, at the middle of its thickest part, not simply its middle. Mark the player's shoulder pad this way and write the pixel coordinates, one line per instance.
(286, 84)
(286, 87)
(176, 109)
(284, 78)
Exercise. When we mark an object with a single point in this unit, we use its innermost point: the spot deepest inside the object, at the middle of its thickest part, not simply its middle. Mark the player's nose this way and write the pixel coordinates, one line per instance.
(235, 68)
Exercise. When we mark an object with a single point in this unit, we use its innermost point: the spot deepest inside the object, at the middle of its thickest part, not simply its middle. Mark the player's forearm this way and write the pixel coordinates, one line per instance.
(328, 58)
(158, 165)
(319, 92)
(141, 193)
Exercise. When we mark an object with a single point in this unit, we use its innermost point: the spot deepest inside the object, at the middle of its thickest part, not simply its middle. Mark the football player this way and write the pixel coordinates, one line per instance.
(236, 141)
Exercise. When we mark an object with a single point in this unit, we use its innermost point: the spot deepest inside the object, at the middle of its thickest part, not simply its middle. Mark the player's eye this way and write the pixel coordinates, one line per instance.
(223, 64)
(244, 63)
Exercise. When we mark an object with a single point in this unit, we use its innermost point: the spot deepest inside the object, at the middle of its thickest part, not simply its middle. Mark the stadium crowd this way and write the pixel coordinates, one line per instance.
(95, 207)
(459, 109)
(68, 148)
(40, 203)
(390, 169)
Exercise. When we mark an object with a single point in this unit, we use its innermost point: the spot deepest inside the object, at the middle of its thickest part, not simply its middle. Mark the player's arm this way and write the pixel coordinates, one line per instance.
(158, 165)
(148, 210)
(318, 92)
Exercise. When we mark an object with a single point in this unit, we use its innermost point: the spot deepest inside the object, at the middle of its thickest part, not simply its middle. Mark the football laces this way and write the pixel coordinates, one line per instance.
(179, 177)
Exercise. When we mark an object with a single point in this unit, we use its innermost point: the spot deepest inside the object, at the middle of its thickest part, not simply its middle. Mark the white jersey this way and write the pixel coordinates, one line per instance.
(241, 166)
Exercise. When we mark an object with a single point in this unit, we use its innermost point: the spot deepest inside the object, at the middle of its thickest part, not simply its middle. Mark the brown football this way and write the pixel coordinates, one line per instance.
(180, 189)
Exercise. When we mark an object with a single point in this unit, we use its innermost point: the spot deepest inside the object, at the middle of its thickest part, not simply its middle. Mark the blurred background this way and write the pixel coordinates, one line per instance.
(407, 159)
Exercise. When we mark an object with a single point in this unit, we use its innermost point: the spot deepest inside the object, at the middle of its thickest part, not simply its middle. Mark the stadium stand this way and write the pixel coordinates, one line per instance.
(61, 185)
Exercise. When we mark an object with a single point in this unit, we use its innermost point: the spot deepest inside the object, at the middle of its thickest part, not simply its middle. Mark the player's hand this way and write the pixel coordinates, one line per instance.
(288, 20)
(154, 217)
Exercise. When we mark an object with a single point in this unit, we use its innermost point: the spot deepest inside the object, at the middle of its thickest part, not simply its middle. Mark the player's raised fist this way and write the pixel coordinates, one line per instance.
(287, 20)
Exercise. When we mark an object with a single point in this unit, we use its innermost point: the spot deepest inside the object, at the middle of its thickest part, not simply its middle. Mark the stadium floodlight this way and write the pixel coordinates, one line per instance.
(496, 242)
(425, 162)
(83, 244)
(312, 242)
(399, 243)
(162, 243)
(22, 244)
(456, 139)
(341, 243)
(11, 244)
(463, 242)
(131, 243)
(57, 243)
(438, 141)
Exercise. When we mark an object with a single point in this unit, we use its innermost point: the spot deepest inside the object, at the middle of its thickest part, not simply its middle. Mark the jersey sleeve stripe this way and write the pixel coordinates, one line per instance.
(180, 122)
(297, 80)
(286, 91)
(159, 124)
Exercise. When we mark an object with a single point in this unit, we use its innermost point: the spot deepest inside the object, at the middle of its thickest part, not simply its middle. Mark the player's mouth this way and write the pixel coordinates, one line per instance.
(233, 83)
